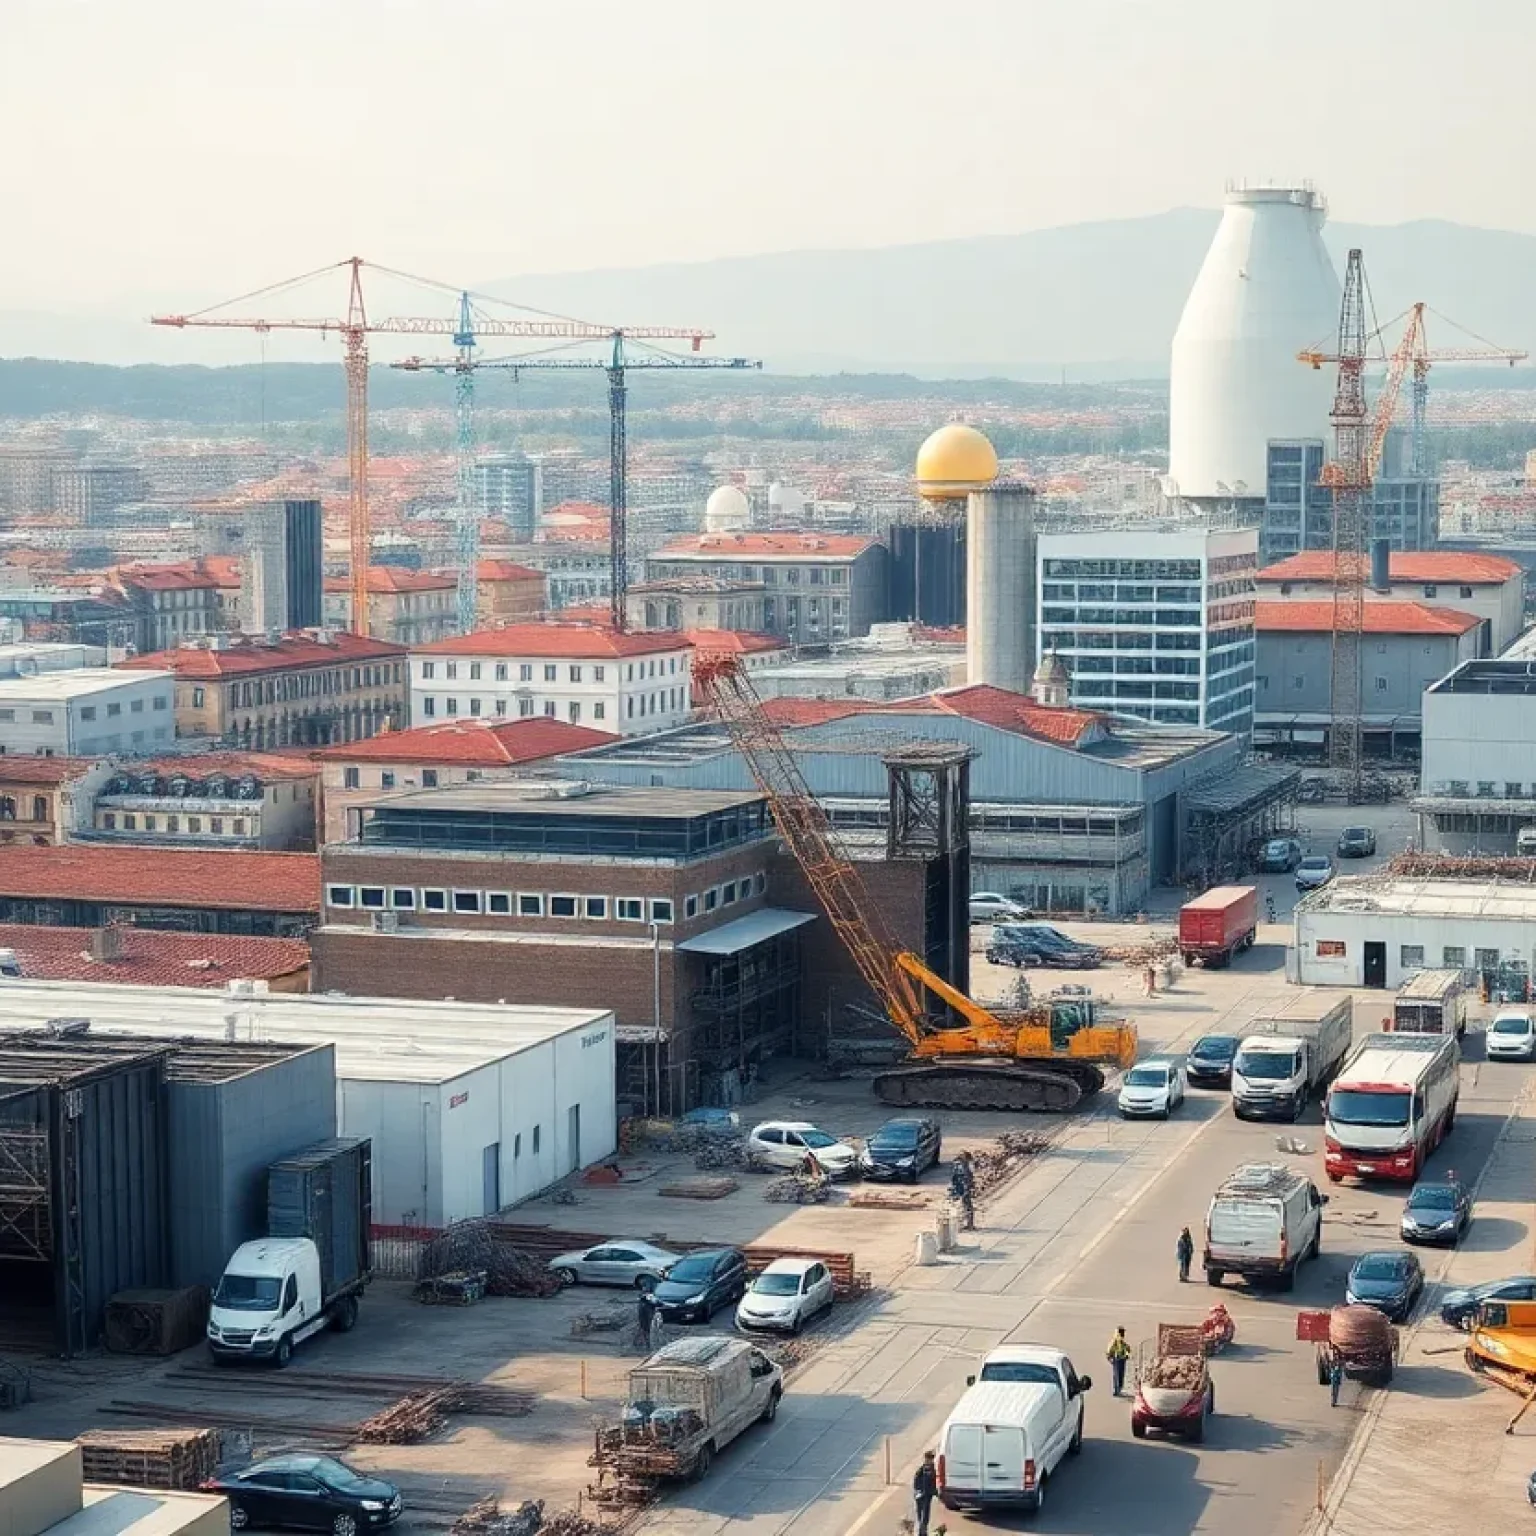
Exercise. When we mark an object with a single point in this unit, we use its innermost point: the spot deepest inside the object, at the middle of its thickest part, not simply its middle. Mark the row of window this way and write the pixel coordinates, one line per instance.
(476, 903)
(8, 808)
(306, 685)
(769, 575)
(99, 746)
(725, 895)
(501, 671)
(636, 705)
(87, 711)
(352, 778)
(1514, 789)
(152, 823)
(1300, 680)
(1453, 957)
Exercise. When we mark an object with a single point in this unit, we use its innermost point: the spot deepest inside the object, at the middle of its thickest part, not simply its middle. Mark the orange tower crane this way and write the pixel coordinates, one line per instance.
(354, 328)
(1047, 1058)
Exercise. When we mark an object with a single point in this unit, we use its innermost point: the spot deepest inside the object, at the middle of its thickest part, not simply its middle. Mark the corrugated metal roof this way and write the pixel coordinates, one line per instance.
(733, 937)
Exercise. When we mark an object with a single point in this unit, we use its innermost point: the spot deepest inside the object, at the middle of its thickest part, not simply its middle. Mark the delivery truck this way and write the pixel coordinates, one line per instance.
(310, 1270)
(1218, 925)
(1289, 1054)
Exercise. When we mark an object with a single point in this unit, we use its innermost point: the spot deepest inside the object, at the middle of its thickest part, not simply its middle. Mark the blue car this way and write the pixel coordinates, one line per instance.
(1391, 1281)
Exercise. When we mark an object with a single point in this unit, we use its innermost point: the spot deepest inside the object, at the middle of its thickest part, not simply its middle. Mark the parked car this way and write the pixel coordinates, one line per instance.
(1390, 1280)
(1210, 1060)
(623, 1261)
(902, 1149)
(307, 1493)
(785, 1143)
(1151, 1088)
(1279, 856)
(1458, 1309)
(1022, 944)
(1437, 1213)
(1511, 1036)
(700, 1284)
(1314, 872)
(990, 907)
(1356, 843)
(787, 1295)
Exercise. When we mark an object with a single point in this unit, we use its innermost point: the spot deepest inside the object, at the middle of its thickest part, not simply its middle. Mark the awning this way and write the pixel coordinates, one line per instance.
(731, 938)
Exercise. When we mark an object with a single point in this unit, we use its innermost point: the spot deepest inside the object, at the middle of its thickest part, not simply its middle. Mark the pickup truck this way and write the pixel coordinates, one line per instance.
(1005, 1438)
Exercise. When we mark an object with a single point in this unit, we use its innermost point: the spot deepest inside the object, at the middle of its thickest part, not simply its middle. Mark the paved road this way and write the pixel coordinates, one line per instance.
(1082, 1244)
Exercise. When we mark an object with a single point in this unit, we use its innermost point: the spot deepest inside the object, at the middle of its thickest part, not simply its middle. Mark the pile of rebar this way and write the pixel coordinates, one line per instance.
(472, 1245)
(704, 1187)
(992, 1165)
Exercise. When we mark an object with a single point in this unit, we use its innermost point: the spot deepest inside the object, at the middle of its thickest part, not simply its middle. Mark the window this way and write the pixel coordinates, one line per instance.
(599, 711)
(7, 715)
(712, 898)
(429, 706)
(1512, 789)
(501, 671)
(474, 706)
(1466, 591)
(434, 901)
(629, 909)
(550, 669)
(530, 904)
(88, 712)
(216, 824)
(428, 669)
(690, 906)
(429, 778)
(728, 894)
(630, 707)
(117, 709)
(536, 1140)
(1453, 957)
(760, 882)
(599, 673)
(562, 906)
(1430, 590)
(39, 808)
(524, 708)
(109, 821)
(1330, 949)
(1485, 787)
(350, 778)
(595, 907)
(136, 706)
(549, 708)
(1411, 957)
(239, 826)
(1486, 959)
(525, 672)
(517, 1145)
(1381, 685)
(452, 706)
(573, 713)
(339, 895)
(452, 669)
(661, 910)
(501, 706)
(499, 902)
(466, 901)
(371, 897)
(194, 823)
(386, 779)
(42, 717)
(130, 823)
(474, 671)
(575, 674)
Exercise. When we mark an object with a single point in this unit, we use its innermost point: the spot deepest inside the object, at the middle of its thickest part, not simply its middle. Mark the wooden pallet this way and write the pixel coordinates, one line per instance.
(149, 1458)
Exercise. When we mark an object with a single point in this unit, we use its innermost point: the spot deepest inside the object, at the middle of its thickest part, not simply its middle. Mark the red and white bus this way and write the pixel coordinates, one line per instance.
(1390, 1106)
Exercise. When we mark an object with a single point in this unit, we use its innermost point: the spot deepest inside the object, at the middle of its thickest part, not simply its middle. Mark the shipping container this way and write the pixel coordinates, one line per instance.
(1219, 924)
(324, 1193)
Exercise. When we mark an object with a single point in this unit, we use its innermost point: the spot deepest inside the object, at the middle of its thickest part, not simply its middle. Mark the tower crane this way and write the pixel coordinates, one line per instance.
(1359, 439)
(616, 366)
(354, 327)
(1048, 1058)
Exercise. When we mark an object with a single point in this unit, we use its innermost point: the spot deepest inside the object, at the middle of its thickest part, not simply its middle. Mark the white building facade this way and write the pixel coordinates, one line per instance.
(582, 674)
(87, 712)
(1155, 623)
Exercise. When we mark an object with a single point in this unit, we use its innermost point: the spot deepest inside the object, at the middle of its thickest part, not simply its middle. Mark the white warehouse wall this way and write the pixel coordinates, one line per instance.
(1510, 937)
(1473, 737)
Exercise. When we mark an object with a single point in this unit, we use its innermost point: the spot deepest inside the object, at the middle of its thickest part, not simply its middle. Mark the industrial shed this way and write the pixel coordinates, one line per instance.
(464, 1102)
(1377, 931)
(129, 1162)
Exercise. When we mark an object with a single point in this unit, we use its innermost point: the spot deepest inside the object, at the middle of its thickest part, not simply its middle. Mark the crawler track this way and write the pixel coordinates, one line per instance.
(1044, 1085)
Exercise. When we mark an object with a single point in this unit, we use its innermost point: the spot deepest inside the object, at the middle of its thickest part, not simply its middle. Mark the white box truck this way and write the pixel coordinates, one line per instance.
(1288, 1054)
(1263, 1223)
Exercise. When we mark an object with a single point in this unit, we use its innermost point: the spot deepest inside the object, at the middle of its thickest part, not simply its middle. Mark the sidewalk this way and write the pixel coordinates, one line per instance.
(1432, 1454)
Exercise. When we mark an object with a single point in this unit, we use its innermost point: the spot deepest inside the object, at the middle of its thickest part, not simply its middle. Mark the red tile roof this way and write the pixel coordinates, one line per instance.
(199, 765)
(506, 570)
(573, 640)
(395, 578)
(166, 578)
(159, 877)
(1427, 565)
(982, 703)
(250, 656)
(153, 957)
(795, 712)
(1381, 618)
(734, 642)
(802, 546)
(43, 770)
(474, 743)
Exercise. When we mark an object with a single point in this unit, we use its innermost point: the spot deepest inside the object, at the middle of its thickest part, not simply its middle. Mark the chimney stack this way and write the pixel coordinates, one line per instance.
(106, 943)
(1381, 565)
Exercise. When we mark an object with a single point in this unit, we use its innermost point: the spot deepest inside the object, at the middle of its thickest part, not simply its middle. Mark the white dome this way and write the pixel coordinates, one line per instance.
(726, 510)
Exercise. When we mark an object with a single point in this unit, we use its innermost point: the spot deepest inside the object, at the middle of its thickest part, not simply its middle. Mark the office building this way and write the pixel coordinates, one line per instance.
(86, 712)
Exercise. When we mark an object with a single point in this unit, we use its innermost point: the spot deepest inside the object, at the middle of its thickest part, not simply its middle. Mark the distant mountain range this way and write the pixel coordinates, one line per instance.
(1099, 301)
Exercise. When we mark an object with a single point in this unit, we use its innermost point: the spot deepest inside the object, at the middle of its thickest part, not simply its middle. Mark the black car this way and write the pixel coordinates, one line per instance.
(1210, 1059)
(1391, 1281)
(700, 1284)
(1437, 1213)
(1021, 944)
(1356, 843)
(902, 1149)
(1280, 855)
(307, 1493)
(1458, 1309)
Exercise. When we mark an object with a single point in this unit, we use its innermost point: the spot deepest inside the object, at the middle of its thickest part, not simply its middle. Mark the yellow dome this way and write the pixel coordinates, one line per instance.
(953, 461)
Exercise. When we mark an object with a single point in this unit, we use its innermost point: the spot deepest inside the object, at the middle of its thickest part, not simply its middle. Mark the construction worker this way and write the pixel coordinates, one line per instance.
(1186, 1252)
(925, 1484)
(1335, 1380)
(1269, 907)
(962, 1190)
(1149, 981)
(1117, 1354)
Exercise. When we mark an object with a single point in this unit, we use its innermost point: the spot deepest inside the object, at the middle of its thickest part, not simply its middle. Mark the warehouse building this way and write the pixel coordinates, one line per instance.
(1376, 932)
(470, 1107)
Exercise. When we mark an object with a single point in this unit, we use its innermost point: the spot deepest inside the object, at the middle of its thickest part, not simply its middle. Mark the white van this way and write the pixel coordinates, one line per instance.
(1525, 842)
(1511, 1036)
(1264, 1221)
(1006, 1437)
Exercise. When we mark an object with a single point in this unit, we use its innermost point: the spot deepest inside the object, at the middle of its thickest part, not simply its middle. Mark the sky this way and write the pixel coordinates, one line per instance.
(175, 153)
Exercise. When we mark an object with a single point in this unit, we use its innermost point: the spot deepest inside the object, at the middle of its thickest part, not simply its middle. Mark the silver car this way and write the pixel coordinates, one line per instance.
(621, 1262)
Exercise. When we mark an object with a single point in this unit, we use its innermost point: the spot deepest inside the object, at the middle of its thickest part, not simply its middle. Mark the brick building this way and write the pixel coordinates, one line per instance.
(509, 593)
(654, 903)
(308, 688)
(437, 756)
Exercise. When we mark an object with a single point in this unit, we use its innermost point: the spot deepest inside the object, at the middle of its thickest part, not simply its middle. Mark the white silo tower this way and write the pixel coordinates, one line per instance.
(1266, 289)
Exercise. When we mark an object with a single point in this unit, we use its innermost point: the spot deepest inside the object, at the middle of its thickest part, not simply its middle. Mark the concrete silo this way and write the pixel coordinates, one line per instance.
(1266, 289)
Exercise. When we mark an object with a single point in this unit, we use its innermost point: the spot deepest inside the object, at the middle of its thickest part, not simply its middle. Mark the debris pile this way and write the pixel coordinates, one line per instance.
(416, 1417)
(1471, 866)
(486, 1518)
(606, 1320)
(704, 1187)
(470, 1246)
(1001, 1160)
(799, 1189)
(1175, 1372)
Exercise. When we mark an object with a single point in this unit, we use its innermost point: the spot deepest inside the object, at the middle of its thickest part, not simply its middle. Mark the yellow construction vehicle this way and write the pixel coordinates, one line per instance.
(1046, 1057)
(1503, 1348)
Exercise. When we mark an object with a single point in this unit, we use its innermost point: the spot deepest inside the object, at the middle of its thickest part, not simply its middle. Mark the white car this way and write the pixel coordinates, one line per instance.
(785, 1143)
(787, 1295)
(620, 1262)
(990, 907)
(1511, 1036)
(1152, 1088)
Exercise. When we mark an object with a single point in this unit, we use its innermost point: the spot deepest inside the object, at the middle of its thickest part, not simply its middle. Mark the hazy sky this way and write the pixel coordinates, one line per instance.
(198, 148)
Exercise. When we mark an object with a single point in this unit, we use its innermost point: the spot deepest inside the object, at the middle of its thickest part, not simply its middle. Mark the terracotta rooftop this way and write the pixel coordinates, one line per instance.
(798, 546)
(166, 578)
(506, 570)
(158, 877)
(19, 769)
(733, 641)
(202, 765)
(1426, 565)
(152, 957)
(1278, 616)
(248, 656)
(562, 640)
(474, 743)
(395, 578)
